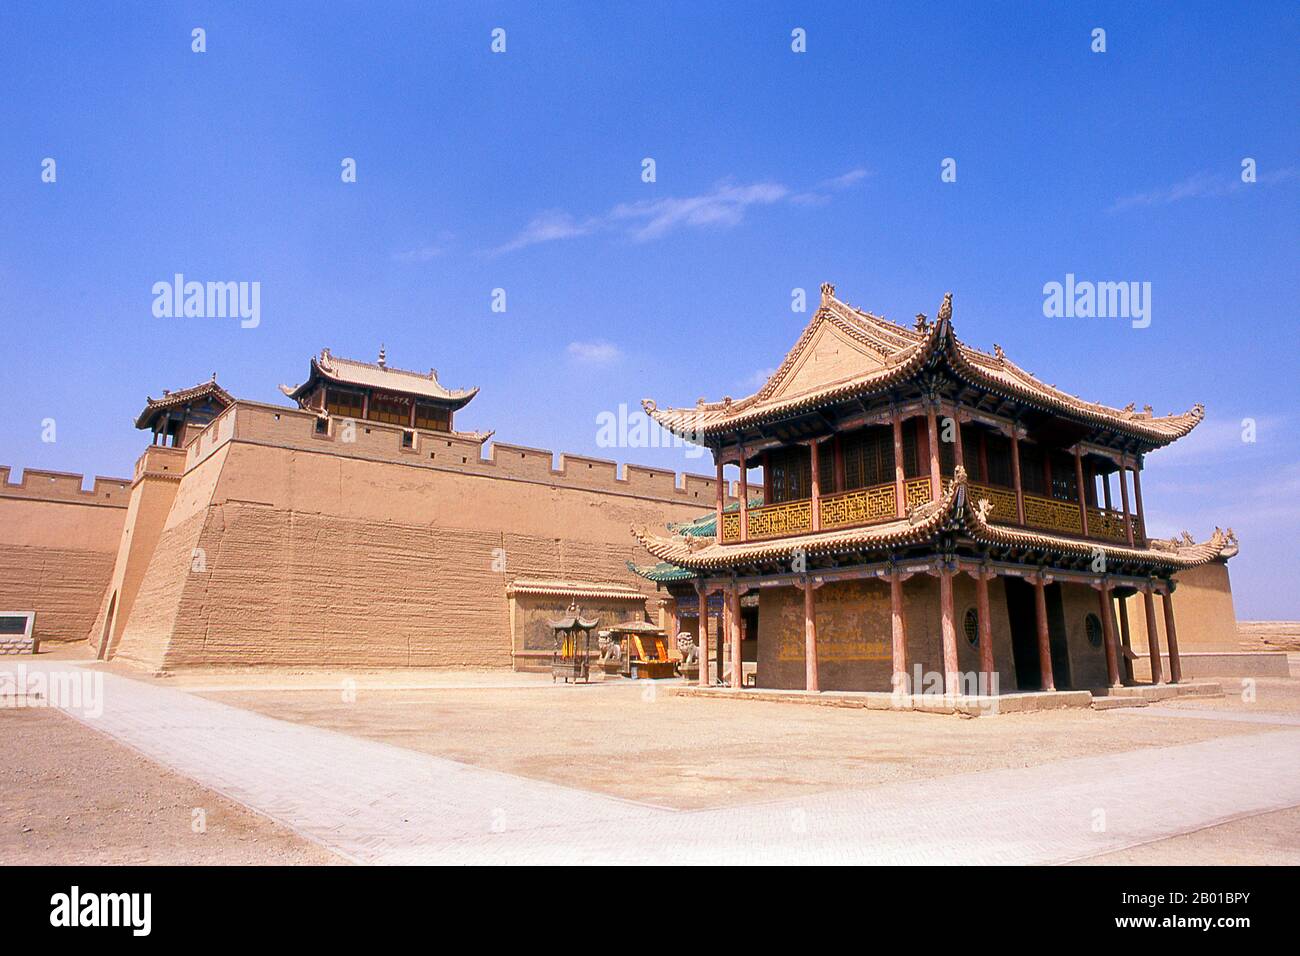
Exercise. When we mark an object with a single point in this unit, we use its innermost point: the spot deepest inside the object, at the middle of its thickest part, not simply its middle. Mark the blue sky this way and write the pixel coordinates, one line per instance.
(775, 170)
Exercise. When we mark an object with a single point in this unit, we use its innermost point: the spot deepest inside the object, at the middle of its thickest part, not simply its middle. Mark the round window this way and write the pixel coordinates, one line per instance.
(970, 623)
(1092, 625)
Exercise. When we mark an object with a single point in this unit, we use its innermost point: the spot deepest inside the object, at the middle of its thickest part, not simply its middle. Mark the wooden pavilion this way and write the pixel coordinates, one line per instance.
(927, 504)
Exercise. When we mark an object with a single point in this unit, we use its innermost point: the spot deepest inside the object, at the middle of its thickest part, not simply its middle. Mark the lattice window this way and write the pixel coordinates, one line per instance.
(342, 404)
(868, 457)
(997, 449)
(790, 474)
(970, 625)
(1032, 478)
(1092, 626)
(911, 450)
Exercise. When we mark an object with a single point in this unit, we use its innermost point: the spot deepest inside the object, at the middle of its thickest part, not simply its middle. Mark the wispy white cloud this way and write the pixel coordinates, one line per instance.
(1202, 185)
(723, 206)
(548, 227)
(759, 378)
(594, 352)
(426, 252)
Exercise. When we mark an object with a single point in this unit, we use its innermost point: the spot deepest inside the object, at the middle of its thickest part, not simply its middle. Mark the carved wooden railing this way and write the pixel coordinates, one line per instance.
(779, 520)
(916, 491)
(859, 506)
(1003, 501)
(1108, 525)
(864, 506)
(1052, 515)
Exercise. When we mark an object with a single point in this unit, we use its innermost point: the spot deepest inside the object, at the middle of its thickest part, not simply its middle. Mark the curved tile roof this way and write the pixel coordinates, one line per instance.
(379, 375)
(886, 355)
(153, 406)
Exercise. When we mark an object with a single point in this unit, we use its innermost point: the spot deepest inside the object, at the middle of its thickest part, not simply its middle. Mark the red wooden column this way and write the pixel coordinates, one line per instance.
(809, 637)
(744, 497)
(1123, 498)
(1105, 490)
(1137, 503)
(1171, 638)
(704, 637)
(1153, 638)
(898, 629)
(900, 496)
(720, 500)
(959, 455)
(986, 627)
(1044, 636)
(1078, 481)
(1015, 475)
(816, 487)
(1126, 640)
(932, 433)
(948, 631)
(1106, 604)
(737, 666)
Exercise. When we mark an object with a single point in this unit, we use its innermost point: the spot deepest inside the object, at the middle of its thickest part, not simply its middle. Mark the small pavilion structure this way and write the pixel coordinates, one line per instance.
(929, 508)
(376, 392)
(178, 416)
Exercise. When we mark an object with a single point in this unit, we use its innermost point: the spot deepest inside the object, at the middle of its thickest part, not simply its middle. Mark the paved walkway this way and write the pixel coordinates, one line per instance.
(375, 803)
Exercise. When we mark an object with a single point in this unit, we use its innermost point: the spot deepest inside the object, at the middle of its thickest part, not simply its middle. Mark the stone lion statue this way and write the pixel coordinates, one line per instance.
(610, 650)
(686, 646)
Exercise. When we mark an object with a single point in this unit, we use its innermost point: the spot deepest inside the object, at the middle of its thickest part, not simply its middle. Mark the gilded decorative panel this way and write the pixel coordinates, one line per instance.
(1052, 515)
(785, 518)
(917, 491)
(730, 526)
(857, 507)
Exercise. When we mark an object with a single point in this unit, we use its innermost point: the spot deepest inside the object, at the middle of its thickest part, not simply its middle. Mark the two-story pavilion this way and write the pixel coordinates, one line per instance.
(344, 388)
(929, 508)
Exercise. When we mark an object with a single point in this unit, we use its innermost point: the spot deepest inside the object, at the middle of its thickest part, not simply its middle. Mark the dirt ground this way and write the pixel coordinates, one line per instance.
(626, 740)
(70, 795)
(1267, 839)
(691, 753)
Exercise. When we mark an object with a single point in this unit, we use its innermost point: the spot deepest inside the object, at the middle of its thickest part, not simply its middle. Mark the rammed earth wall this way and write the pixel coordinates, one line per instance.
(57, 545)
(286, 547)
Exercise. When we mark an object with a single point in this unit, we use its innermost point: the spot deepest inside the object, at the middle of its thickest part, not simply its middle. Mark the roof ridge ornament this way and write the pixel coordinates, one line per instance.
(945, 310)
(383, 357)
(922, 322)
(828, 292)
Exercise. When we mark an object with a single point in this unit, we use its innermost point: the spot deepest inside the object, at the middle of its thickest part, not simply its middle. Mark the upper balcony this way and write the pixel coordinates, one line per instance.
(878, 504)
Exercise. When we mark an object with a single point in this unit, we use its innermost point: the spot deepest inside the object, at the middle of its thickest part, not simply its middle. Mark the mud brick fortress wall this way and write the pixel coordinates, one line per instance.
(57, 548)
(264, 542)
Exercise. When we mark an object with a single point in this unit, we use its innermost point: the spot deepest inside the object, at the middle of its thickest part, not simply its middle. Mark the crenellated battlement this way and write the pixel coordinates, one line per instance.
(449, 451)
(40, 485)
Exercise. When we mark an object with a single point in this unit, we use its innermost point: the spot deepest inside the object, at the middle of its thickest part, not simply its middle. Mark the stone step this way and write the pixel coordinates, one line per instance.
(1111, 703)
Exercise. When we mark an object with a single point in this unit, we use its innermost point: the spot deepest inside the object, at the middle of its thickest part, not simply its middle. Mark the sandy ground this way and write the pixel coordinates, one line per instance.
(619, 738)
(70, 795)
(690, 753)
(1269, 839)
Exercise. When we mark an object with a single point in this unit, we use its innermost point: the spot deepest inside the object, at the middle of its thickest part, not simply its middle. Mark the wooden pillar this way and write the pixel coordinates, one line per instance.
(932, 434)
(1141, 532)
(809, 638)
(898, 630)
(900, 491)
(1153, 637)
(1123, 497)
(1125, 640)
(412, 417)
(1105, 490)
(1044, 636)
(719, 499)
(1106, 604)
(1015, 475)
(986, 628)
(1078, 481)
(1171, 639)
(737, 665)
(816, 487)
(744, 497)
(948, 632)
(959, 454)
(984, 455)
(704, 637)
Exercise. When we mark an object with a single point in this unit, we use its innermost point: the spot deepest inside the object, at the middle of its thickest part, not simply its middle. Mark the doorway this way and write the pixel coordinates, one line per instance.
(1024, 633)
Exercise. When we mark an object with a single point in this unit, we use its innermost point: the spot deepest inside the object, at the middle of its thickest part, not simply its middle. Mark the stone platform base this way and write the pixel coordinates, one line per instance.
(967, 706)
(1220, 664)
